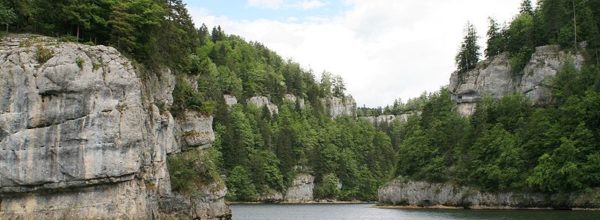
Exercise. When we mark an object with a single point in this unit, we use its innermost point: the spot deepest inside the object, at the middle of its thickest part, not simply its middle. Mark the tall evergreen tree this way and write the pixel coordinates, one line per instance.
(495, 39)
(526, 7)
(7, 15)
(468, 55)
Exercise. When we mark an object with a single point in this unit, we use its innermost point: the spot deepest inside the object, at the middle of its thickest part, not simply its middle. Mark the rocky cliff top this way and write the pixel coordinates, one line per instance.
(494, 77)
(82, 136)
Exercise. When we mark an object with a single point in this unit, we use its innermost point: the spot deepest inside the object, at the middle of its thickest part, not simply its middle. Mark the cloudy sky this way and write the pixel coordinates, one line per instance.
(384, 49)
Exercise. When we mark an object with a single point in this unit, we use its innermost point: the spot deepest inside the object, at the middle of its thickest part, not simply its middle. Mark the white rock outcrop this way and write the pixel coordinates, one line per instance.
(196, 130)
(387, 119)
(415, 193)
(262, 101)
(230, 100)
(290, 98)
(338, 107)
(82, 136)
(495, 78)
(301, 190)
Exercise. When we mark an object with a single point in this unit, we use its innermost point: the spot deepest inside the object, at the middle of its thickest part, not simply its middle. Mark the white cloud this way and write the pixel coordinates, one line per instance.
(272, 4)
(310, 4)
(277, 4)
(384, 49)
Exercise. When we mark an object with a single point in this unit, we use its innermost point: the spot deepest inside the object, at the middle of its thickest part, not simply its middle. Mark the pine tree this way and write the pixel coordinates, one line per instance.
(83, 14)
(217, 34)
(468, 56)
(526, 7)
(7, 16)
(495, 40)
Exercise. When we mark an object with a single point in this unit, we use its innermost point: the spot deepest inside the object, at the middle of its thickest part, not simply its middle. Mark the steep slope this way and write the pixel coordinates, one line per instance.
(496, 158)
(495, 77)
(82, 136)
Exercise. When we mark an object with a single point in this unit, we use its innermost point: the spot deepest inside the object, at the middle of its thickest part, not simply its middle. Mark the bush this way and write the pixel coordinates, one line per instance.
(240, 185)
(192, 170)
(519, 60)
(328, 188)
(43, 54)
(80, 62)
(185, 97)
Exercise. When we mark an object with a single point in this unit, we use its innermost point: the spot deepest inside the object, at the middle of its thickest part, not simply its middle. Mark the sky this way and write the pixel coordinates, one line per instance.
(383, 49)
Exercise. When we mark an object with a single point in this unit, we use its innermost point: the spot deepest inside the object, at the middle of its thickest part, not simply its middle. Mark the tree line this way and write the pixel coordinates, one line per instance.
(509, 144)
(256, 151)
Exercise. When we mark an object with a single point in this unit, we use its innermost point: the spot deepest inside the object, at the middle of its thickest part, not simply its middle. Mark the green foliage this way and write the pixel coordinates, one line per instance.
(468, 55)
(7, 15)
(495, 41)
(508, 144)
(328, 188)
(193, 170)
(526, 7)
(79, 61)
(558, 171)
(496, 160)
(186, 97)
(240, 185)
(43, 54)
(520, 44)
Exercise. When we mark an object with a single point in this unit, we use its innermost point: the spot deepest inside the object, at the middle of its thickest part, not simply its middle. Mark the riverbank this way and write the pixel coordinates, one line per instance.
(302, 203)
(419, 194)
(479, 208)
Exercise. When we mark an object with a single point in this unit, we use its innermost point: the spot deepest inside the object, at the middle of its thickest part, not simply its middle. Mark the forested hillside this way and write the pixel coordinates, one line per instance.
(257, 151)
(509, 144)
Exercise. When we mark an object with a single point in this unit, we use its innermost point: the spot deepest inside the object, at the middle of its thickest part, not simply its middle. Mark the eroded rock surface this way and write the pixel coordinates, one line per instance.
(230, 100)
(262, 101)
(290, 98)
(387, 119)
(339, 107)
(495, 78)
(83, 135)
(415, 193)
(301, 189)
(196, 129)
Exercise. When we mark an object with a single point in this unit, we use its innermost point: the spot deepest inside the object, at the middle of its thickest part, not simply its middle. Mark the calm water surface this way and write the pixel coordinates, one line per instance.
(367, 212)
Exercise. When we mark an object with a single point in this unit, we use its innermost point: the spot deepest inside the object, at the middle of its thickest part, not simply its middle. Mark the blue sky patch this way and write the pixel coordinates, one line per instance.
(280, 10)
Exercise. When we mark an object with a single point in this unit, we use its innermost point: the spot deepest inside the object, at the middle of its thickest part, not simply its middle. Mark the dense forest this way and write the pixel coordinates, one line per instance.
(257, 152)
(509, 144)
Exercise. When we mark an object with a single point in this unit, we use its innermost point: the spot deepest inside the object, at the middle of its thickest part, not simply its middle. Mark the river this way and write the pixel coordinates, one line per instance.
(368, 212)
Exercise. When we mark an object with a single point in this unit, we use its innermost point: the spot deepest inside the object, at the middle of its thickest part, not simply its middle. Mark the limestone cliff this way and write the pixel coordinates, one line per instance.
(261, 101)
(495, 78)
(301, 189)
(338, 107)
(388, 119)
(412, 193)
(82, 136)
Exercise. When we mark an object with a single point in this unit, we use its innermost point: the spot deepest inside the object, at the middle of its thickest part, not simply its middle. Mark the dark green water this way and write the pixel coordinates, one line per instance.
(367, 212)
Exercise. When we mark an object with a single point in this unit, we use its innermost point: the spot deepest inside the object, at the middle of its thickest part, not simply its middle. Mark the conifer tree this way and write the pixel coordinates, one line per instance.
(495, 39)
(526, 7)
(468, 55)
(7, 15)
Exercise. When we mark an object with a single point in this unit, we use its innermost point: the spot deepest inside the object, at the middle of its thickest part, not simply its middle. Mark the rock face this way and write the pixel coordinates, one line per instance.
(495, 78)
(230, 100)
(196, 130)
(426, 194)
(271, 196)
(338, 107)
(290, 98)
(261, 101)
(82, 135)
(301, 189)
(387, 119)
